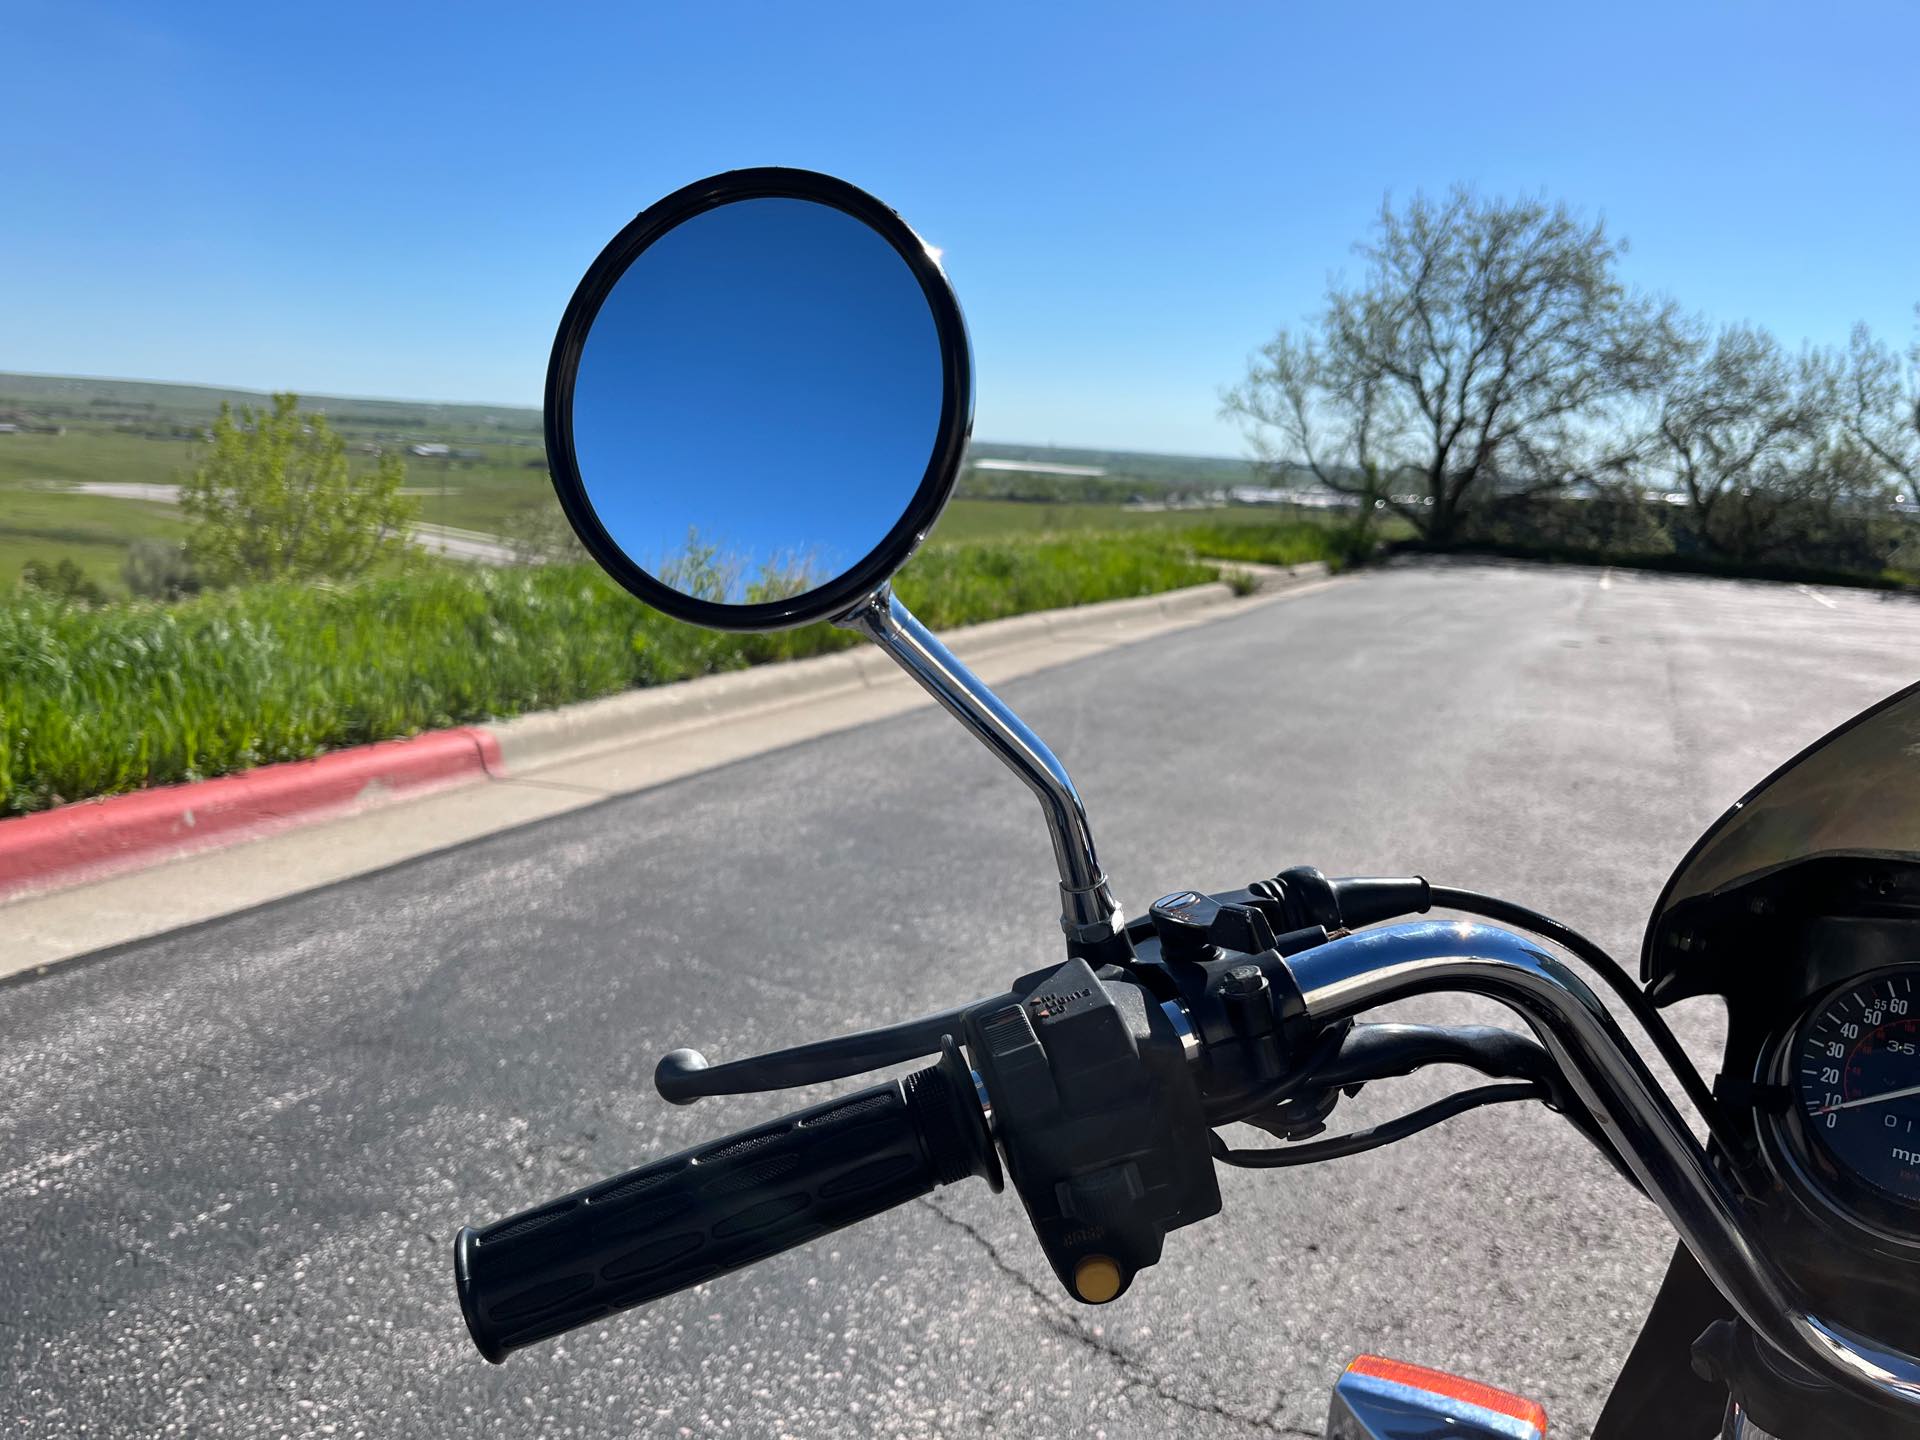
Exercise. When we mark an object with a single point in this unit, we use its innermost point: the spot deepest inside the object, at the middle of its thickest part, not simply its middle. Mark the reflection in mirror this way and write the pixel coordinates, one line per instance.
(757, 400)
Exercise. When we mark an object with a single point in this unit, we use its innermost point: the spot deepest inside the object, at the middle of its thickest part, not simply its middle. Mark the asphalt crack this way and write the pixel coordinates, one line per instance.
(1135, 1373)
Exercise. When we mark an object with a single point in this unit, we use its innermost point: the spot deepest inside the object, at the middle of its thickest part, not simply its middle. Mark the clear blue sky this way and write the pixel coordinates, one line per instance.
(373, 199)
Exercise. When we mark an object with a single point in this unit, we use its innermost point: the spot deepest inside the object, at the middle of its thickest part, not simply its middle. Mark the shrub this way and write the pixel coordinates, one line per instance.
(159, 570)
(541, 535)
(1611, 524)
(65, 582)
(276, 498)
(1341, 544)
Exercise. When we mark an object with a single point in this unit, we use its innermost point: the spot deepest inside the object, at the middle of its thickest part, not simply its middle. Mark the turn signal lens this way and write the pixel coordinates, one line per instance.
(1492, 1410)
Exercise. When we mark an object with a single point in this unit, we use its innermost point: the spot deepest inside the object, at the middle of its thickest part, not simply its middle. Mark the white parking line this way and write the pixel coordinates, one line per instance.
(1816, 595)
(33, 1173)
(1606, 578)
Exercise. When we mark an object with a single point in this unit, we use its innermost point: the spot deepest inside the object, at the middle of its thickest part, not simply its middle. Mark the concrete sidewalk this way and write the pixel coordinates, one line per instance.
(566, 759)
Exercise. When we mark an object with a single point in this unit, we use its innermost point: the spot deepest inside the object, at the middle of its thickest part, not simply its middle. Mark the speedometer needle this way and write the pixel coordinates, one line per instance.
(1872, 1100)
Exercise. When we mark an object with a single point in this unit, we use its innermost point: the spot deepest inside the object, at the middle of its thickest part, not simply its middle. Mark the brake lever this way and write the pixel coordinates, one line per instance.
(684, 1076)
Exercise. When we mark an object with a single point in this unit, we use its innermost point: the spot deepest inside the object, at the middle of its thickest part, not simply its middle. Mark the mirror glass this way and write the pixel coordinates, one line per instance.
(757, 400)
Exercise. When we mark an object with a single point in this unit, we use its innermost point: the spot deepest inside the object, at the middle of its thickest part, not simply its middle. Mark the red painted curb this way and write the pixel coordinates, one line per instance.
(92, 838)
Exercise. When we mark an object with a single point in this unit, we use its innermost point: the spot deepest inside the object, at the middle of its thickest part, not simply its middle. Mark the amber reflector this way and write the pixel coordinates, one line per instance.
(1438, 1382)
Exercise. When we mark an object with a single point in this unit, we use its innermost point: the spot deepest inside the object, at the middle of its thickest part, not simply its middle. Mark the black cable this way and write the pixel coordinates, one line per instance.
(1374, 1136)
(1505, 912)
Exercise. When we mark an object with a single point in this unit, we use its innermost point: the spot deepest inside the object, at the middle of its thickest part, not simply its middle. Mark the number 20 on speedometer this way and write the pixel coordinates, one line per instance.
(1858, 1082)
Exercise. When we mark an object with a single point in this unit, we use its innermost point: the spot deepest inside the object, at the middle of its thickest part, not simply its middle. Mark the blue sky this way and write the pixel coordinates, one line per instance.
(397, 200)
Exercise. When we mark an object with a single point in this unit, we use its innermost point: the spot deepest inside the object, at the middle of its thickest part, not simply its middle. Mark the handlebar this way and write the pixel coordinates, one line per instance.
(1103, 1092)
(1361, 971)
(719, 1206)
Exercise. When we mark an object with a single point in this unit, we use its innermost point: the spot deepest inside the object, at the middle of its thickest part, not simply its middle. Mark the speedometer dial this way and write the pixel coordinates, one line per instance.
(1856, 1081)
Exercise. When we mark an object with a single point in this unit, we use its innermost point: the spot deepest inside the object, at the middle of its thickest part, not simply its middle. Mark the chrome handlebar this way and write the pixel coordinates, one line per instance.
(1373, 967)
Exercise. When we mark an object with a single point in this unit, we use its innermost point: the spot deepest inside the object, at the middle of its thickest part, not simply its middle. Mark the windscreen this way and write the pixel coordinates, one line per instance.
(1855, 792)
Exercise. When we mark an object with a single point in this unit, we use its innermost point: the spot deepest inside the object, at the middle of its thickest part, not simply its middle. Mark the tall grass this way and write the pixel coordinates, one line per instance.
(1340, 541)
(95, 701)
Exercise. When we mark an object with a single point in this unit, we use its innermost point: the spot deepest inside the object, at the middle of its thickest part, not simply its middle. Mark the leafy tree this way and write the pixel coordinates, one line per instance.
(1478, 355)
(275, 497)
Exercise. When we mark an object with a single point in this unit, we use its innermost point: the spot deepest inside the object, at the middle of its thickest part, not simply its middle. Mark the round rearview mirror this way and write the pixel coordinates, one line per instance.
(759, 399)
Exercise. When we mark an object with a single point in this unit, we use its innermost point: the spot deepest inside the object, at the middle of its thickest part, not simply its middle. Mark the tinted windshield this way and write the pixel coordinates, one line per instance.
(1856, 791)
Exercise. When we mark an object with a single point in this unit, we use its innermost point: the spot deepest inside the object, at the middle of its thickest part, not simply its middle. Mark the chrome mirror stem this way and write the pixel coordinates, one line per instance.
(1089, 914)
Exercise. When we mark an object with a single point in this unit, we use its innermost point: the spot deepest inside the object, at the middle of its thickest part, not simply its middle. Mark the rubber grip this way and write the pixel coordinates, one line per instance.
(715, 1208)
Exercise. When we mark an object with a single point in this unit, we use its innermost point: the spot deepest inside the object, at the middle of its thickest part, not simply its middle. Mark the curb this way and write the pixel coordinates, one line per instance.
(95, 838)
(574, 732)
(92, 839)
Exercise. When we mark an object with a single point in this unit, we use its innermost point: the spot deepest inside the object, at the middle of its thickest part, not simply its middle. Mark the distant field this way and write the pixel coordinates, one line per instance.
(38, 521)
(91, 530)
(131, 431)
(127, 441)
(134, 431)
(147, 405)
(92, 455)
(486, 495)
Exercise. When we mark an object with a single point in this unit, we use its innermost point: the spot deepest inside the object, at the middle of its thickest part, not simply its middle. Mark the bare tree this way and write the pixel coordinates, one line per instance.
(1732, 419)
(1477, 356)
(1760, 443)
(1879, 403)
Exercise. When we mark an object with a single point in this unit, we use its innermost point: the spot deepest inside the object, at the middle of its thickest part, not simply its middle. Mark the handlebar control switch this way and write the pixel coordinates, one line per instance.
(1247, 1001)
(1101, 1122)
(1195, 928)
(1182, 921)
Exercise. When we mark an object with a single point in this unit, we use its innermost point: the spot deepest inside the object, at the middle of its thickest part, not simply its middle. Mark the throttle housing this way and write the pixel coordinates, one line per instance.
(1100, 1122)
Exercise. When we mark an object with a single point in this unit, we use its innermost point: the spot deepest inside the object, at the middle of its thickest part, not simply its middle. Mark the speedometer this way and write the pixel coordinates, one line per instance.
(1855, 1076)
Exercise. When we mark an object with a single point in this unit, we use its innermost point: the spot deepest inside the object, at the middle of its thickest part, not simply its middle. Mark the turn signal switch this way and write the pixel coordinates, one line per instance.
(1097, 1109)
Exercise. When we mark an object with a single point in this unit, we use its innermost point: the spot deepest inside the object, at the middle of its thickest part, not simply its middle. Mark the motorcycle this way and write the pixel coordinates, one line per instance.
(758, 403)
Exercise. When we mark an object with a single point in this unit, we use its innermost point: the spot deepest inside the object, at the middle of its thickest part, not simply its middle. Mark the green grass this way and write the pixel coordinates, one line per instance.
(91, 530)
(986, 519)
(488, 495)
(99, 701)
(133, 432)
(86, 454)
(494, 496)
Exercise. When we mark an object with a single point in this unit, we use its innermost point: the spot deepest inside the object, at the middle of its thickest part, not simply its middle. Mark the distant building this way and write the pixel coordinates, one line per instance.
(7, 427)
(1039, 467)
(1310, 497)
(430, 452)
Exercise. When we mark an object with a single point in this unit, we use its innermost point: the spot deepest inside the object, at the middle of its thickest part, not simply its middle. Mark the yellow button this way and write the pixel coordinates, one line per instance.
(1096, 1279)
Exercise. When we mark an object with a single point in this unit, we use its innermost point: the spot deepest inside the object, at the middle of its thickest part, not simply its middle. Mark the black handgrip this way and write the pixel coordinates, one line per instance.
(717, 1207)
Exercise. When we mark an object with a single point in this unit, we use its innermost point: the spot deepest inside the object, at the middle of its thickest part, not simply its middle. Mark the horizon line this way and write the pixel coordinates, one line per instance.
(539, 409)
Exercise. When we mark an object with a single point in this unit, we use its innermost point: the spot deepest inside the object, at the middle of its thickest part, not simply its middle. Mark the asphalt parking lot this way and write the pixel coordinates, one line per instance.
(232, 1158)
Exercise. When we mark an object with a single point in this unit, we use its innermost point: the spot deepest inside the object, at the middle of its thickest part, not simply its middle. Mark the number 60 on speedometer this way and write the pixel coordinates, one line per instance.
(1855, 1078)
